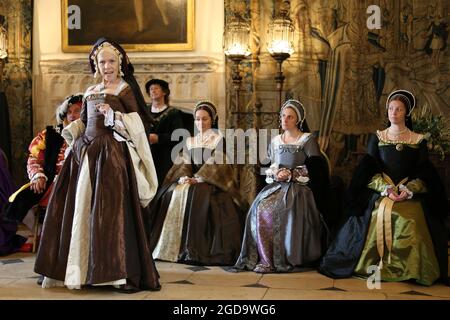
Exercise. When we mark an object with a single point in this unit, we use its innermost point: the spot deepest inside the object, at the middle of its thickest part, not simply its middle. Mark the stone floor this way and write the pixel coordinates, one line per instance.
(184, 282)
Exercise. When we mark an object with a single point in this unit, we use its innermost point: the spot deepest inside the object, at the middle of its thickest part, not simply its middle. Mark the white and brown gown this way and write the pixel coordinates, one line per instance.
(94, 231)
(200, 223)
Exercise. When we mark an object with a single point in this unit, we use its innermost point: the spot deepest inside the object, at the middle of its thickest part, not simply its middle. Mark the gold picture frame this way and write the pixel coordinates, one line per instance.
(138, 25)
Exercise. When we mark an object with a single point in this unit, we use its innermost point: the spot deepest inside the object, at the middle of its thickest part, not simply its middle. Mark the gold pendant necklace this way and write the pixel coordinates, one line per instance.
(399, 145)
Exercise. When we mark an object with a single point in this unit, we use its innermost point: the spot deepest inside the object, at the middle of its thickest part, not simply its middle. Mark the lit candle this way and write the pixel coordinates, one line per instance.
(238, 49)
(280, 46)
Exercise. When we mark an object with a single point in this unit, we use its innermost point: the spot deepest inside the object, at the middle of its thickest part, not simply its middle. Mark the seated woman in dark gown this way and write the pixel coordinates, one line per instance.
(197, 215)
(285, 228)
(396, 206)
(94, 230)
(9, 241)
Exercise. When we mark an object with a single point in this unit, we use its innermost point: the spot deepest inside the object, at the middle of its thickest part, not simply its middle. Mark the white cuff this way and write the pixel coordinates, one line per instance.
(385, 192)
(303, 174)
(404, 188)
(269, 180)
(274, 167)
(302, 179)
(183, 179)
(39, 175)
(109, 118)
(270, 173)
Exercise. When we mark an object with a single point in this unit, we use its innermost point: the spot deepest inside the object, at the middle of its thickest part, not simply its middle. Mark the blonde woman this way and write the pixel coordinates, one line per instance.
(94, 231)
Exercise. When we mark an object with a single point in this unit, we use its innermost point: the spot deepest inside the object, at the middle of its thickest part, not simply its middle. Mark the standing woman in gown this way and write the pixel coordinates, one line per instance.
(198, 213)
(94, 232)
(285, 228)
(396, 207)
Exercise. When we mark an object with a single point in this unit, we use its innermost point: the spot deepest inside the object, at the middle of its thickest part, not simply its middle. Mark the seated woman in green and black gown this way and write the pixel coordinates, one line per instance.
(397, 206)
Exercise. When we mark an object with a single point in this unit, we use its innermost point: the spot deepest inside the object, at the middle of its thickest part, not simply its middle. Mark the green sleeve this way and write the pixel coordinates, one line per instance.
(377, 183)
(417, 186)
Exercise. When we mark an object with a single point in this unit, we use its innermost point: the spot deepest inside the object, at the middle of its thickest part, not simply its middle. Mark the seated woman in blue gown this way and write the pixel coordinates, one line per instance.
(396, 206)
(285, 227)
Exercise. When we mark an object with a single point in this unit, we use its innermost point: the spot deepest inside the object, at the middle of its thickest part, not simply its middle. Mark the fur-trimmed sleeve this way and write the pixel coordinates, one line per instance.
(181, 168)
(221, 176)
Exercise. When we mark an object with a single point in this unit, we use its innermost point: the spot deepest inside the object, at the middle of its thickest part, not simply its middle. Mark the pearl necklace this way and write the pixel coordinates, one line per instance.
(283, 135)
(203, 138)
(398, 134)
